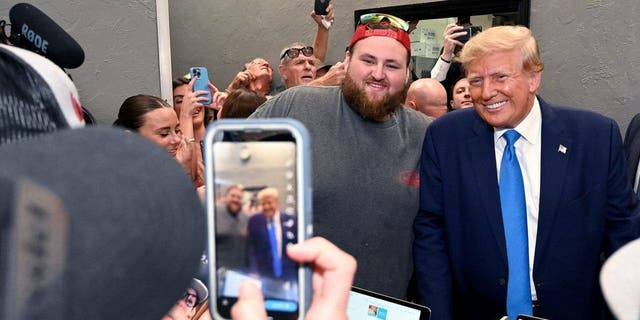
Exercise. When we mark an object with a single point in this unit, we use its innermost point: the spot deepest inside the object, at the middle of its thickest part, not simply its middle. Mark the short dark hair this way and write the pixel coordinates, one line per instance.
(241, 103)
(133, 109)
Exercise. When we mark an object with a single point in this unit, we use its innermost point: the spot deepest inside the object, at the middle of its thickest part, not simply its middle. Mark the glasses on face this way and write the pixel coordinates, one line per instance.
(293, 53)
(382, 18)
(190, 299)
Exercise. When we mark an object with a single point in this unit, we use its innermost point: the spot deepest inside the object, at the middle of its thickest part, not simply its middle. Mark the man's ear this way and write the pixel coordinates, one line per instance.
(535, 79)
(347, 59)
(411, 104)
(281, 70)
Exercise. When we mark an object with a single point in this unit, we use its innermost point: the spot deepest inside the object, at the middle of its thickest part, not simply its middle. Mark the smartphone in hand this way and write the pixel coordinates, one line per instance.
(320, 7)
(202, 83)
(258, 200)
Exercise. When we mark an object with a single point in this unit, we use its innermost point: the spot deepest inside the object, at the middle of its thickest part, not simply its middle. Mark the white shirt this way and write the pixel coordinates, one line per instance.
(635, 183)
(528, 150)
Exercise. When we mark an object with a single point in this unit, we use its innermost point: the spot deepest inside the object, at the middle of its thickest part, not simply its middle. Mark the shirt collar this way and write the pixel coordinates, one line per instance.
(529, 128)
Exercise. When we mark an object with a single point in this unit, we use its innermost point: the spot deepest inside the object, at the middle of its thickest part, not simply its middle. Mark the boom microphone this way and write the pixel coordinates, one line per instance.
(33, 30)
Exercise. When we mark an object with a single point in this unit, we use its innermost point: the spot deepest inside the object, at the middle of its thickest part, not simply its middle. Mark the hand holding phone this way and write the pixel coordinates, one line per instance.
(321, 9)
(335, 269)
(202, 81)
(267, 159)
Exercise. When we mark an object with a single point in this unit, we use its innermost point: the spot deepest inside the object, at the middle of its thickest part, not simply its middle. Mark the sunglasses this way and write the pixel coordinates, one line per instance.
(382, 18)
(293, 53)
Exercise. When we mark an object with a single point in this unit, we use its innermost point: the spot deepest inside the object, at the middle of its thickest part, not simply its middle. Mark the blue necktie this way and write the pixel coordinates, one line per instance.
(273, 242)
(514, 219)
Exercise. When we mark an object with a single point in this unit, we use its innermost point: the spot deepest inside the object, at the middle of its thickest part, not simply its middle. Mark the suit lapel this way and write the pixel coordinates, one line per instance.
(556, 152)
(481, 152)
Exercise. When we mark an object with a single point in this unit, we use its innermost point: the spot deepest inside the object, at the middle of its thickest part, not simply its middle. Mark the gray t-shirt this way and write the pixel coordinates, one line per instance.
(365, 180)
(231, 238)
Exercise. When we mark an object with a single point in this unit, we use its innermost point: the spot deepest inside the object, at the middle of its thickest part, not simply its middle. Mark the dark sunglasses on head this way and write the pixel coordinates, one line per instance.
(382, 18)
(293, 53)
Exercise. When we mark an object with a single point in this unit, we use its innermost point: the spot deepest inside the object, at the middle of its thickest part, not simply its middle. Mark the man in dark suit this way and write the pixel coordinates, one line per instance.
(516, 216)
(270, 231)
(632, 151)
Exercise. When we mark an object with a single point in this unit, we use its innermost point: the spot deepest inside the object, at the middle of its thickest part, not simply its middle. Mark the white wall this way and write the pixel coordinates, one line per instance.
(120, 42)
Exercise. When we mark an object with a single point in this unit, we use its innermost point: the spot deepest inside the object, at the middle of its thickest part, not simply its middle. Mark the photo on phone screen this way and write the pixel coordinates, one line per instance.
(258, 202)
(202, 83)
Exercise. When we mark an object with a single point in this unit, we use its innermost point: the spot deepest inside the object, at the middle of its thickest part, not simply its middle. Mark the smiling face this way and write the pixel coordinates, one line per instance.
(377, 71)
(161, 126)
(502, 91)
(269, 206)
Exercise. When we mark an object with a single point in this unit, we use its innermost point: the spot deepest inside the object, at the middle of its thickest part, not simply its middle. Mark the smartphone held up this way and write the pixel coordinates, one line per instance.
(258, 200)
(202, 81)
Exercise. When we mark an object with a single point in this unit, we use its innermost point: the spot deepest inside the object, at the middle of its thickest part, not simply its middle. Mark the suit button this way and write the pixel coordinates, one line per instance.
(502, 281)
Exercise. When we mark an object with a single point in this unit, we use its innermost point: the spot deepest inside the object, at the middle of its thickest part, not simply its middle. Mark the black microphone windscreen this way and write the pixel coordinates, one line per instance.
(33, 30)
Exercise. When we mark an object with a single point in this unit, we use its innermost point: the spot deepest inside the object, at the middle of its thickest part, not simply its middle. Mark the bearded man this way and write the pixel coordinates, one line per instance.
(366, 152)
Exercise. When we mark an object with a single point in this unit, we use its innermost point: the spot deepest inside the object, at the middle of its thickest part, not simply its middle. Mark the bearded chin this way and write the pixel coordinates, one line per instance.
(375, 110)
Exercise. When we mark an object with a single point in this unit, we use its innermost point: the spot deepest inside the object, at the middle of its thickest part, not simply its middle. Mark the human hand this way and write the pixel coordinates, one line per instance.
(333, 77)
(451, 33)
(333, 271)
(328, 18)
(192, 101)
(241, 80)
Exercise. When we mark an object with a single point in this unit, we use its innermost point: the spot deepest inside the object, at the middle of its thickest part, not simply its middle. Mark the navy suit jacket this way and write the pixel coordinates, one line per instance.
(259, 252)
(584, 212)
(632, 147)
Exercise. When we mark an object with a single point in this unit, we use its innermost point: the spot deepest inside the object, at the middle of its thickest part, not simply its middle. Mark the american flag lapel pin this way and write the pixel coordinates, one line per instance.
(562, 149)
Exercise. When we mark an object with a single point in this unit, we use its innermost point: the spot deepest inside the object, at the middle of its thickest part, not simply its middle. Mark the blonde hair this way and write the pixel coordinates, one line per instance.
(268, 192)
(504, 38)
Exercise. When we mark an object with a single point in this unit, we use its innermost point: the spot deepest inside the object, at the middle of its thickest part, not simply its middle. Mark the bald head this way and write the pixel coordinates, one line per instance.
(427, 96)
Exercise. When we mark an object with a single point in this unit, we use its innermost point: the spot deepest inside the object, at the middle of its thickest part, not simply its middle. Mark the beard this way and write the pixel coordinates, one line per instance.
(370, 109)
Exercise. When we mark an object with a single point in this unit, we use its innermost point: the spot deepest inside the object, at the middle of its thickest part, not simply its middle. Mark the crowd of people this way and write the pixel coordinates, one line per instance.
(505, 205)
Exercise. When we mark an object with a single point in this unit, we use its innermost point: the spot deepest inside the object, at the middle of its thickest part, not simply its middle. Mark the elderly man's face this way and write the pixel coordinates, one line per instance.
(260, 68)
(501, 89)
(298, 71)
(269, 206)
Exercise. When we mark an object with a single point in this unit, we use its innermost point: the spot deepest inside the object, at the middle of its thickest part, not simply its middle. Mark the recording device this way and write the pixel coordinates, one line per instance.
(270, 160)
(470, 32)
(202, 83)
(320, 8)
(33, 30)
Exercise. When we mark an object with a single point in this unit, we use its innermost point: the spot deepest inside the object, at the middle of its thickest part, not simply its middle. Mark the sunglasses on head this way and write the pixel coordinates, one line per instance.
(293, 53)
(383, 18)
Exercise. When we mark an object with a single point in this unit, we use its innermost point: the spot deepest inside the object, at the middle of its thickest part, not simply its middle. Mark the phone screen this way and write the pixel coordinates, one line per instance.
(257, 213)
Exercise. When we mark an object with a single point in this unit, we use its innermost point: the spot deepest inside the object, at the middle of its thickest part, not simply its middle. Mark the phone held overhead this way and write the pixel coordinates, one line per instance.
(202, 81)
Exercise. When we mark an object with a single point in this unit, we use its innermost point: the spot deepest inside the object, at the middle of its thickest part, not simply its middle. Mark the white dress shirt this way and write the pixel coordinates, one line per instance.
(528, 150)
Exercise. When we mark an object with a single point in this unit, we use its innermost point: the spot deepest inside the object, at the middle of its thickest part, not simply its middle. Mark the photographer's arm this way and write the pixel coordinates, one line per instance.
(321, 40)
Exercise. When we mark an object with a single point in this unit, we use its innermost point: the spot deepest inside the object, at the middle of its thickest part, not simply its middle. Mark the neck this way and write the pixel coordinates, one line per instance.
(260, 85)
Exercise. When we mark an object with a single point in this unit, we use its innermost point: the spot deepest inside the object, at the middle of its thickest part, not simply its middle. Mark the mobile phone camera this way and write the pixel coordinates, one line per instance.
(196, 72)
(470, 32)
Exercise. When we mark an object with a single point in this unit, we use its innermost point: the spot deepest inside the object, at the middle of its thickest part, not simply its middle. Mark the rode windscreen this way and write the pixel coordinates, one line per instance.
(33, 30)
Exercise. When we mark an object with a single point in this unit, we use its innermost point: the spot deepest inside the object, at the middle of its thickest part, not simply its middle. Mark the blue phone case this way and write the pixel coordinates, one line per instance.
(202, 83)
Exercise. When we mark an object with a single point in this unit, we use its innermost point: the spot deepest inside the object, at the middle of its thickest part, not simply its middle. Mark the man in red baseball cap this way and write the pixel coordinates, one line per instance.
(366, 153)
